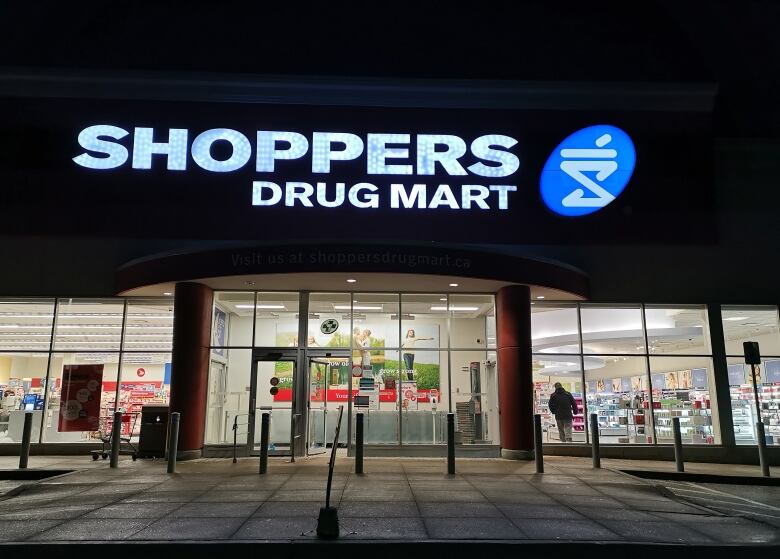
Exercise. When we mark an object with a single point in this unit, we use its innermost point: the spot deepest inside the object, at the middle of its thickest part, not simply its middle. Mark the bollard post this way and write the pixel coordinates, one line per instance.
(594, 440)
(116, 439)
(173, 441)
(265, 424)
(235, 437)
(24, 452)
(450, 443)
(762, 459)
(359, 443)
(538, 450)
(678, 448)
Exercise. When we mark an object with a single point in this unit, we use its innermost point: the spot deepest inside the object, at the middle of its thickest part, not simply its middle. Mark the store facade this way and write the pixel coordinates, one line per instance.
(398, 258)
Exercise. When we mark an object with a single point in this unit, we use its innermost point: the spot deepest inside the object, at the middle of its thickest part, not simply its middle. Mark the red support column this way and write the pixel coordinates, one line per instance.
(190, 363)
(515, 376)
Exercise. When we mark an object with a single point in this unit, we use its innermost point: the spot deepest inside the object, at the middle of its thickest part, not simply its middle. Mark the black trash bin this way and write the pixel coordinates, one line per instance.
(154, 431)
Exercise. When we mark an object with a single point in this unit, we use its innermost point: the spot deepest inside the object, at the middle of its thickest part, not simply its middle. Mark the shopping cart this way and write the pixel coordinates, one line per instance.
(129, 420)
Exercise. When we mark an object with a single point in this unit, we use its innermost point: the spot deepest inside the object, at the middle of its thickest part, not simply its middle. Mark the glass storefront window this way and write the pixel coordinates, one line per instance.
(554, 328)
(81, 398)
(145, 380)
(149, 325)
(22, 380)
(276, 322)
(232, 320)
(375, 321)
(378, 390)
(677, 329)
(617, 391)
(329, 324)
(565, 369)
(89, 324)
(612, 329)
(474, 393)
(469, 318)
(751, 324)
(423, 322)
(26, 325)
(743, 406)
(684, 387)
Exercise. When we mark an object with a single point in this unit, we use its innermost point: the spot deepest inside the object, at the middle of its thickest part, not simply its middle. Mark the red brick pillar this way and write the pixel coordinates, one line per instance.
(515, 376)
(190, 364)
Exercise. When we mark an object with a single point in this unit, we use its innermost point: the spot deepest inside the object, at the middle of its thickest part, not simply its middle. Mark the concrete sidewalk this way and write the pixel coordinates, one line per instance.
(401, 500)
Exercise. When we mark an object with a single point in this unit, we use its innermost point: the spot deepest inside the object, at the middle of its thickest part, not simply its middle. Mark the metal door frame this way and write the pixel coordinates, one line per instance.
(323, 354)
(272, 355)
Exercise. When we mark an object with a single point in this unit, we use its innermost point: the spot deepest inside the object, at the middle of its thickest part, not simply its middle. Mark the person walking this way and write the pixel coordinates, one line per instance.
(564, 407)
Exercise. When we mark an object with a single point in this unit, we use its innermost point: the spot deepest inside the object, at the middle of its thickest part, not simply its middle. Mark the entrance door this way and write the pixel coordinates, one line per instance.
(216, 427)
(328, 388)
(272, 390)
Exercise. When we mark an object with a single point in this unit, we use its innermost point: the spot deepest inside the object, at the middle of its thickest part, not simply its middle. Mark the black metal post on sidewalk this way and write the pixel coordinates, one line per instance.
(173, 441)
(678, 448)
(328, 520)
(24, 452)
(753, 358)
(538, 450)
(235, 437)
(762, 459)
(594, 440)
(450, 443)
(116, 439)
(265, 425)
(359, 443)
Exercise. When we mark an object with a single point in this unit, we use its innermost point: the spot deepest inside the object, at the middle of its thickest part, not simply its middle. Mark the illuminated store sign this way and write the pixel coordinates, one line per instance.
(386, 155)
(588, 170)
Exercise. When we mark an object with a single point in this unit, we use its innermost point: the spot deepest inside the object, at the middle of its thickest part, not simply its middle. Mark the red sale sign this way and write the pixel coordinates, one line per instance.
(80, 397)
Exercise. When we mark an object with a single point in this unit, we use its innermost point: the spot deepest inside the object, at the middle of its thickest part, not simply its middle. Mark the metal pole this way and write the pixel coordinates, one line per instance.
(755, 393)
(116, 440)
(173, 441)
(359, 443)
(538, 451)
(235, 437)
(450, 443)
(678, 448)
(265, 423)
(762, 459)
(24, 452)
(760, 434)
(594, 440)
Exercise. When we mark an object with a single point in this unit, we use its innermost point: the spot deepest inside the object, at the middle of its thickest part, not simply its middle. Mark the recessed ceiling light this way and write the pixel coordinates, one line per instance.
(167, 293)
(249, 282)
(737, 318)
(351, 280)
(453, 285)
(443, 299)
(540, 296)
(358, 307)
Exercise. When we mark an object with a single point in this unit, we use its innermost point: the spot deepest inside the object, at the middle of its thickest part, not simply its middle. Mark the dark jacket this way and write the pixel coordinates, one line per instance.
(562, 404)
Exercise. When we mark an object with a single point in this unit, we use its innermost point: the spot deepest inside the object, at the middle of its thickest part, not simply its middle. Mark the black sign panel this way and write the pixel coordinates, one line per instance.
(668, 199)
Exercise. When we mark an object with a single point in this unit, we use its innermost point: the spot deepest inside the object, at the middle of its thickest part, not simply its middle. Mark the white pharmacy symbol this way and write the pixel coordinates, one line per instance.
(577, 161)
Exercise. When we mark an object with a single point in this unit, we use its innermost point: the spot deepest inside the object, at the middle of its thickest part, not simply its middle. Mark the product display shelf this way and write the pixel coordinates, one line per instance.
(549, 426)
(617, 419)
(770, 412)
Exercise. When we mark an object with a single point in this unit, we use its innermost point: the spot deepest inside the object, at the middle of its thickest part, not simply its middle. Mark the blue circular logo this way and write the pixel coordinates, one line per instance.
(588, 170)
